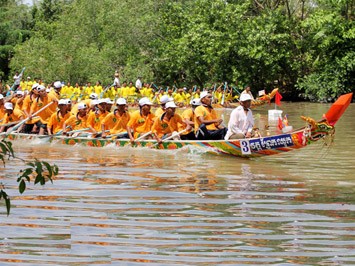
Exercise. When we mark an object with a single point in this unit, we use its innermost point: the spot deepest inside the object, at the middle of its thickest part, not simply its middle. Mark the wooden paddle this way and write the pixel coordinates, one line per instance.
(26, 119)
(143, 136)
(171, 136)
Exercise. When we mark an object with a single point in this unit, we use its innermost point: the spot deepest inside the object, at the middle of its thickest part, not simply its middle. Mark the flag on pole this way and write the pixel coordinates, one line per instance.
(278, 98)
(279, 124)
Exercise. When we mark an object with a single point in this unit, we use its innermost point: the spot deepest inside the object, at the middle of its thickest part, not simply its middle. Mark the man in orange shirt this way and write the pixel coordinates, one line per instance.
(78, 121)
(57, 119)
(188, 117)
(116, 122)
(141, 121)
(168, 123)
(207, 124)
(10, 116)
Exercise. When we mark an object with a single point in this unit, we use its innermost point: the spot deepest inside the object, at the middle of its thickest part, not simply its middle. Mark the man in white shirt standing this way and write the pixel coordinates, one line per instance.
(241, 120)
(139, 83)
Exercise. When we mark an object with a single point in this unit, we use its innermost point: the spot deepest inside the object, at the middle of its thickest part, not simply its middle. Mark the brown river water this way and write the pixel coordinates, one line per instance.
(134, 206)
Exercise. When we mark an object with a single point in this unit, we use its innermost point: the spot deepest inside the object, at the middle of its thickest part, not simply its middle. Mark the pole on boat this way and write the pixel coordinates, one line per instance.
(26, 119)
(143, 136)
(172, 136)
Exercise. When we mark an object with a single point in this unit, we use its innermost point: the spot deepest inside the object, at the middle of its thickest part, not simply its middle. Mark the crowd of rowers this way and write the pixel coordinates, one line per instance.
(222, 93)
(47, 111)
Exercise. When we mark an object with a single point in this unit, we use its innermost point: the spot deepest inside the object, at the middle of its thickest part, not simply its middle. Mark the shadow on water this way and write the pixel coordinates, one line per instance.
(142, 207)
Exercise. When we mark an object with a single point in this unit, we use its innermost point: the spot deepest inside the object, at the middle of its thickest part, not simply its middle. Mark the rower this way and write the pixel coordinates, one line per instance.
(11, 116)
(38, 103)
(207, 124)
(168, 123)
(95, 118)
(57, 119)
(163, 100)
(188, 117)
(141, 121)
(77, 121)
(116, 122)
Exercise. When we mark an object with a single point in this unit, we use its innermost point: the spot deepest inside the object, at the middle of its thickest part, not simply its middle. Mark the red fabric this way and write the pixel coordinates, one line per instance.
(278, 98)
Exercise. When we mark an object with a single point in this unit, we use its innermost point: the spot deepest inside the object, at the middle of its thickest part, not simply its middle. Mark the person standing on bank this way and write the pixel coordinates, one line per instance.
(207, 125)
(241, 120)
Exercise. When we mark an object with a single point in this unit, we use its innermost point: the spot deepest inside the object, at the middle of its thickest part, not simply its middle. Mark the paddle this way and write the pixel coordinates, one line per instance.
(171, 136)
(118, 135)
(12, 123)
(338, 108)
(77, 130)
(28, 118)
(143, 136)
(224, 93)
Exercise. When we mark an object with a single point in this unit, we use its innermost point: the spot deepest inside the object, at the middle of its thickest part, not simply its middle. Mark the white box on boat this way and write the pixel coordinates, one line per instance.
(287, 129)
(273, 115)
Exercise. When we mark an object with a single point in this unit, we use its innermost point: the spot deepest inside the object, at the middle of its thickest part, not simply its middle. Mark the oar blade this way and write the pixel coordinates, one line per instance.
(338, 108)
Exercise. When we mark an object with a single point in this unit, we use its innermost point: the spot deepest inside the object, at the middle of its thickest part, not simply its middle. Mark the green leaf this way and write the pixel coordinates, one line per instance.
(38, 179)
(22, 186)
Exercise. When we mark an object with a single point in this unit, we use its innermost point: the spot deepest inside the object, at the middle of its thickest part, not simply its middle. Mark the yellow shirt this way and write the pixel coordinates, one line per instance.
(188, 114)
(207, 114)
(15, 116)
(163, 126)
(116, 123)
(37, 105)
(76, 122)
(140, 124)
(95, 119)
(56, 121)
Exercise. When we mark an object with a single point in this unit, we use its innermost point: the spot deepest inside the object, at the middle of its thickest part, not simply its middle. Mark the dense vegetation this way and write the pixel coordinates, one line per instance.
(306, 46)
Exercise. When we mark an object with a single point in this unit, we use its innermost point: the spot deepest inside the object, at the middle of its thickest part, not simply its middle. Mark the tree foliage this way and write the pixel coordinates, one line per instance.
(306, 46)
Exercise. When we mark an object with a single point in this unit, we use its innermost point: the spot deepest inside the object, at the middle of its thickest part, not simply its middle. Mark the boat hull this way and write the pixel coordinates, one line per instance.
(255, 147)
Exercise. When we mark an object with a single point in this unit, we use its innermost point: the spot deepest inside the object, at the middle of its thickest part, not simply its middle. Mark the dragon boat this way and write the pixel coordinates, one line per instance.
(312, 132)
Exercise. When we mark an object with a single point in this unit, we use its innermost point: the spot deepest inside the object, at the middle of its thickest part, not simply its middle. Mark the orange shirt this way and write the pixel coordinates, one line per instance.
(95, 119)
(76, 122)
(207, 114)
(140, 124)
(38, 104)
(116, 123)
(15, 116)
(163, 126)
(56, 121)
(188, 114)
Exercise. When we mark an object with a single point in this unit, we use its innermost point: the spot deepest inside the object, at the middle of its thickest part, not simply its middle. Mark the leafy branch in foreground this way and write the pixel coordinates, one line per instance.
(39, 171)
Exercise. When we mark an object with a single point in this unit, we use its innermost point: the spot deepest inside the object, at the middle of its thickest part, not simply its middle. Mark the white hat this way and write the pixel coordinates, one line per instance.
(81, 106)
(62, 101)
(34, 86)
(244, 97)
(170, 105)
(104, 100)
(204, 94)
(41, 88)
(28, 77)
(8, 106)
(93, 96)
(165, 98)
(94, 102)
(109, 101)
(144, 101)
(121, 101)
(20, 93)
(48, 90)
(1, 96)
(195, 102)
(57, 84)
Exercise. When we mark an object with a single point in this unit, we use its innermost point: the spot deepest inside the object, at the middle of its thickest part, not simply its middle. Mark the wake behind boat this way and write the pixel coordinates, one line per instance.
(253, 147)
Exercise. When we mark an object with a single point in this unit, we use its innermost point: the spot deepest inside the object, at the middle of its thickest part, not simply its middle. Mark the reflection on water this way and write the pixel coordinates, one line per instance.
(126, 206)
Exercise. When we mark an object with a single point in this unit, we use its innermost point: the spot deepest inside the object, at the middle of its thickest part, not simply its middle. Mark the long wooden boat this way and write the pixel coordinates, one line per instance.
(254, 147)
